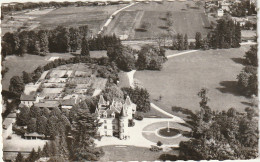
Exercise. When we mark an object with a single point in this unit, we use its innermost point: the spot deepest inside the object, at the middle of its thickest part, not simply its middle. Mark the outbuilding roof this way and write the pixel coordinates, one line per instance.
(25, 97)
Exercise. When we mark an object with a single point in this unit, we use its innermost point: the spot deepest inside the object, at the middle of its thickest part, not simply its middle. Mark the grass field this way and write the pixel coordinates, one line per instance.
(93, 16)
(182, 78)
(26, 63)
(130, 153)
(186, 20)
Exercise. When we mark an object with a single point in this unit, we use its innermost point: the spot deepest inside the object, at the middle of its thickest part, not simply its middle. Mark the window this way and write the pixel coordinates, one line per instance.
(105, 121)
(114, 127)
(105, 127)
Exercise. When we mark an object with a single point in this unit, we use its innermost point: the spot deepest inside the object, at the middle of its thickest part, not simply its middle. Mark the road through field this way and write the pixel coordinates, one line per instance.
(113, 14)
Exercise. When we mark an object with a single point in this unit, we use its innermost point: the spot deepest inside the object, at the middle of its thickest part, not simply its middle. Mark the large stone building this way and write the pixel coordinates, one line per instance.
(115, 117)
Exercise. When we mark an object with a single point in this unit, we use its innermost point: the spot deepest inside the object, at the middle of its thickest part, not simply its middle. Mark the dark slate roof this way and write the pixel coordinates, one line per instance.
(47, 104)
(68, 102)
(25, 97)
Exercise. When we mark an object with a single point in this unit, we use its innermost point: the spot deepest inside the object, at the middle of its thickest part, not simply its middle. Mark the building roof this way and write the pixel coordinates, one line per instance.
(128, 101)
(68, 102)
(25, 97)
(48, 104)
(34, 134)
(101, 100)
(123, 113)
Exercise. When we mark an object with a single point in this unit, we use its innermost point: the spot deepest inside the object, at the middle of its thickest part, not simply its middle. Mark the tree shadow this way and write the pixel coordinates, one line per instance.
(247, 103)
(163, 27)
(140, 30)
(229, 87)
(163, 18)
(239, 60)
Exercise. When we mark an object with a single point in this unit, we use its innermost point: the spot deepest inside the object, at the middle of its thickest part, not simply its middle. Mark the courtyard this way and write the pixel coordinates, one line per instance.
(144, 134)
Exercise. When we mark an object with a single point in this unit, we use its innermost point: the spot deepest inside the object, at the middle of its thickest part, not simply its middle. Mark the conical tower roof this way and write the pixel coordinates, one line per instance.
(123, 113)
(128, 101)
(101, 100)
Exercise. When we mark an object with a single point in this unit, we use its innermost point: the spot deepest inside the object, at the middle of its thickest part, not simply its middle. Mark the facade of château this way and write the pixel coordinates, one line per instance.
(115, 117)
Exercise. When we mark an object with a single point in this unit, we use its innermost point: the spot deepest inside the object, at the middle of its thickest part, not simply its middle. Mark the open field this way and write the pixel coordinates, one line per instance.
(129, 153)
(186, 20)
(26, 63)
(182, 77)
(93, 16)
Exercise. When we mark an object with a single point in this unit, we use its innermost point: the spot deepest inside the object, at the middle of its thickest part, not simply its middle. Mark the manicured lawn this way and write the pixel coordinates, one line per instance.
(129, 153)
(123, 80)
(26, 63)
(183, 76)
(185, 20)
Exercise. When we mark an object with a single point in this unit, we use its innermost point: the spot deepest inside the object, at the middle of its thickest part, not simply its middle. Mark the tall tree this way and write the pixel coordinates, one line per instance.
(251, 56)
(84, 47)
(74, 35)
(16, 85)
(23, 117)
(186, 42)
(27, 78)
(86, 125)
(19, 157)
(180, 42)
(43, 41)
(198, 39)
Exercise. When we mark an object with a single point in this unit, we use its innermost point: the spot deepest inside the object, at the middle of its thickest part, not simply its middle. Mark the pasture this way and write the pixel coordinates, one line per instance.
(93, 16)
(182, 77)
(186, 20)
(26, 63)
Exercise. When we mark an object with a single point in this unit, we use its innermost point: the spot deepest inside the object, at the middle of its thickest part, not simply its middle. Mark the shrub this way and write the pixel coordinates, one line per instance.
(159, 143)
(155, 148)
(131, 123)
(139, 117)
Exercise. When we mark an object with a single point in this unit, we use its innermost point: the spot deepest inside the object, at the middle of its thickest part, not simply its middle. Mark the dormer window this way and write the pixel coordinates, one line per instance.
(113, 115)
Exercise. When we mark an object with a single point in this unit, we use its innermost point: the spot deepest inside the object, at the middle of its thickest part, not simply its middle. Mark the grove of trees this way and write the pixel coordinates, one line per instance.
(243, 9)
(247, 78)
(59, 39)
(225, 135)
(150, 58)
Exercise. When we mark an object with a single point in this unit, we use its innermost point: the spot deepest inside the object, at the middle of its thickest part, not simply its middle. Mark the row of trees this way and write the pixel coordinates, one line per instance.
(247, 78)
(40, 5)
(222, 135)
(59, 40)
(227, 34)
